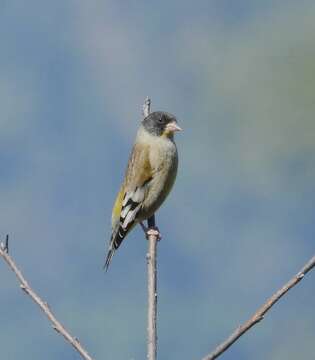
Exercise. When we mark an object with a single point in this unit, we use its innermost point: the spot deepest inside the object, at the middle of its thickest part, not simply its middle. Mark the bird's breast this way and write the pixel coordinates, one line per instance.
(164, 163)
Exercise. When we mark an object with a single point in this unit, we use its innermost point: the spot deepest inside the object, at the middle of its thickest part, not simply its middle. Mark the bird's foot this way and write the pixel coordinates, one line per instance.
(152, 231)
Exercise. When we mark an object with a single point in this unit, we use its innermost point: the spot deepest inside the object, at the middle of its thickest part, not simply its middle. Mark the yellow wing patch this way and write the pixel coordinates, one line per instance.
(117, 206)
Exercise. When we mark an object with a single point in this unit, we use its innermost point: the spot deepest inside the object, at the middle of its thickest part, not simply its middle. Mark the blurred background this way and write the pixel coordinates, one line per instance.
(240, 77)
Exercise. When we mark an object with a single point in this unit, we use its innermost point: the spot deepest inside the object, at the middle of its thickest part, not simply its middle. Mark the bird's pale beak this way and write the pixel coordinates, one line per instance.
(172, 127)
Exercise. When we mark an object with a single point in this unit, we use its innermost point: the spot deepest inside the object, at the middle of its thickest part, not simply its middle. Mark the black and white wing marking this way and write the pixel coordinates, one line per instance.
(132, 202)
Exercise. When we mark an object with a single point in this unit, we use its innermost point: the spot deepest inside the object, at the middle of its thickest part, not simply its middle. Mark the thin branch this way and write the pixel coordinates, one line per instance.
(42, 304)
(259, 314)
(146, 107)
(153, 237)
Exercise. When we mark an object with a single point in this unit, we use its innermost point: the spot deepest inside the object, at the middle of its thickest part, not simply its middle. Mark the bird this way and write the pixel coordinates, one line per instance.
(149, 177)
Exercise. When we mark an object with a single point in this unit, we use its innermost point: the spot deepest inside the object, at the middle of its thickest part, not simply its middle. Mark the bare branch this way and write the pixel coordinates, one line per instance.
(152, 298)
(146, 107)
(259, 314)
(153, 237)
(42, 304)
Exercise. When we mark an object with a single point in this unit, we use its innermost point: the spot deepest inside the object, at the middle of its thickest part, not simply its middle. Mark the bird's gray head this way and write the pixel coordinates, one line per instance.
(160, 123)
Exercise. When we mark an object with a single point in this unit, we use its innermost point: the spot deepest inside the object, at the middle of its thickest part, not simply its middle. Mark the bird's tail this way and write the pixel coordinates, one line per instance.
(117, 237)
(113, 245)
(110, 254)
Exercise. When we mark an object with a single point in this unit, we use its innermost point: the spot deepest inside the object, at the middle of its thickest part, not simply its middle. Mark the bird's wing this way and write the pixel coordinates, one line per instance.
(130, 197)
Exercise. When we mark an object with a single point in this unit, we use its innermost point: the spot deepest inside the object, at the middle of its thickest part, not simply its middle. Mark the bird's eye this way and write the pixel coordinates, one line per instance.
(161, 120)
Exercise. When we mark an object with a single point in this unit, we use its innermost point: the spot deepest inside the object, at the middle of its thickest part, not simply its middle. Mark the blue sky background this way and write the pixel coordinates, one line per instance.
(239, 75)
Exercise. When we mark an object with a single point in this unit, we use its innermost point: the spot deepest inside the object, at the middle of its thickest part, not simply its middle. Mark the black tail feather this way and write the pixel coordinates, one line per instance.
(115, 241)
(118, 236)
(109, 257)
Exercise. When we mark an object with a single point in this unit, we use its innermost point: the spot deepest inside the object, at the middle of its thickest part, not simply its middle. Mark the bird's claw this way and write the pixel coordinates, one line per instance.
(152, 231)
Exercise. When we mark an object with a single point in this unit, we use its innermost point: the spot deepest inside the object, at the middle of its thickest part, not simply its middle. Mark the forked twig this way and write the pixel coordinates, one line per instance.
(259, 314)
(4, 253)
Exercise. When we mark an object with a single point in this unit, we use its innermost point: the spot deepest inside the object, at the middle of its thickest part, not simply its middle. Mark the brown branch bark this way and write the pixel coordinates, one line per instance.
(259, 314)
(42, 304)
(153, 237)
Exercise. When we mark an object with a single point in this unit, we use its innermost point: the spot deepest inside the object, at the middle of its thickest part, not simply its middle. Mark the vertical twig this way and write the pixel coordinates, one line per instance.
(153, 238)
(146, 107)
(152, 291)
